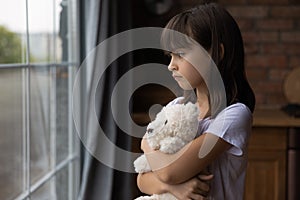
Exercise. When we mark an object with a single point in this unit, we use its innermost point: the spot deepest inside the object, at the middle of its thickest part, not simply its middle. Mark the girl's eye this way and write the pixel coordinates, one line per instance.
(179, 54)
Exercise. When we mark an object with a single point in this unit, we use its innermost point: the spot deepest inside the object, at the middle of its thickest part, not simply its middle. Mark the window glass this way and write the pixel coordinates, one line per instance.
(39, 150)
(11, 133)
(41, 31)
(13, 31)
(62, 187)
(41, 97)
(45, 192)
(62, 113)
(62, 31)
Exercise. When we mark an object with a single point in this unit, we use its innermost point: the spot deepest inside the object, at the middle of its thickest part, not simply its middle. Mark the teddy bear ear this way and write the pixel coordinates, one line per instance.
(154, 110)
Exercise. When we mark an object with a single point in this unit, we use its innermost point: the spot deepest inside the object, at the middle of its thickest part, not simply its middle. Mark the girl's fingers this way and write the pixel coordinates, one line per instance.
(203, 187)
(197, 197)
(204, 177)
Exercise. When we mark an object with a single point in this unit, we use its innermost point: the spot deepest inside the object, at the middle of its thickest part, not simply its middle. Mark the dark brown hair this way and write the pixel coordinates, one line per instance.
(212, 26)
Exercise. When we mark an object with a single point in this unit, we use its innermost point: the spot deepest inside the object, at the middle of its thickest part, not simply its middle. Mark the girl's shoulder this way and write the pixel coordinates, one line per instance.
(237, 109)
(234, 116)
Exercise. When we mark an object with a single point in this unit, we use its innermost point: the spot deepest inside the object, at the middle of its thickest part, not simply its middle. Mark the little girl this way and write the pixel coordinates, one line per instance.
(216, 31)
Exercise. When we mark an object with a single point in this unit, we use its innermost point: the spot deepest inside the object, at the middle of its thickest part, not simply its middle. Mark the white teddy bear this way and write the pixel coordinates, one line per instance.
(174, 127)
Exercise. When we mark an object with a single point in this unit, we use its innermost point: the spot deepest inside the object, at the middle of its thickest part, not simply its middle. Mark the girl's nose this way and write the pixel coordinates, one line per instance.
(172, 66)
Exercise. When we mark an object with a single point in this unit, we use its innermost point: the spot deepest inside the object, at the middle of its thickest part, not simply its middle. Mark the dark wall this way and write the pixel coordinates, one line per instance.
(145, 15)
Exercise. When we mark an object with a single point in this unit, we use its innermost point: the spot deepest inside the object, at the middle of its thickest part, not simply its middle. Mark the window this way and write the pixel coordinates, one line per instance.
(39, 148)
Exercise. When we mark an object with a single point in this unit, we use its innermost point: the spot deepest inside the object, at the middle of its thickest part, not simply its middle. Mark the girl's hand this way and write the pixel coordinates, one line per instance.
(196, 188)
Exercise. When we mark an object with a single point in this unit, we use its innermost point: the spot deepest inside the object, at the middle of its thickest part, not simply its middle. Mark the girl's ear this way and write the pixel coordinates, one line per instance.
(222, 51)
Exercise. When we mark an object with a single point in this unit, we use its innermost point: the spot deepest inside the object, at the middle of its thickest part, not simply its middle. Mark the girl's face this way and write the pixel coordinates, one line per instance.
(186, 75)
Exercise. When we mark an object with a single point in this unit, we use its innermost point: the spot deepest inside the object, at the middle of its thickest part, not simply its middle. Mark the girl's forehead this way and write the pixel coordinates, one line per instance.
(175, 42)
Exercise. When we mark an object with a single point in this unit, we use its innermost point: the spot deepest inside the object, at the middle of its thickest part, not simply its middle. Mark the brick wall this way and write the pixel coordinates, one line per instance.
(271, 33)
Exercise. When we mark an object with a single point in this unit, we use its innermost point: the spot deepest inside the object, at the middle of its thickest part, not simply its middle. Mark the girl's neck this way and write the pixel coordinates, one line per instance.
(203, 103)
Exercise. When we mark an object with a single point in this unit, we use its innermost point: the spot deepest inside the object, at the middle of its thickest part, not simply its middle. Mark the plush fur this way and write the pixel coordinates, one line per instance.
(174, 127)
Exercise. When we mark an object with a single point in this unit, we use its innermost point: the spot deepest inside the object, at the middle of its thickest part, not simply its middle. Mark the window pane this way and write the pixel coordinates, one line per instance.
(56, 188)
(41, 30)
(62, 113)
(69, 15)
(12, 31)
(62, 30)
(45, 192)
(40, 107)
(45, 100)
(74, 180)
(11, 133)
(62, 186)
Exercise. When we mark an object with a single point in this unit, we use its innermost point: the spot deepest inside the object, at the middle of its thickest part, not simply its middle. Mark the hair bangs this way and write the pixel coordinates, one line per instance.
(176, 34)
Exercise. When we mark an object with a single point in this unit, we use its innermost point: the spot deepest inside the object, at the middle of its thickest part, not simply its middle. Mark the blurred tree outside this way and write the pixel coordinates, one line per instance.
(11, 50)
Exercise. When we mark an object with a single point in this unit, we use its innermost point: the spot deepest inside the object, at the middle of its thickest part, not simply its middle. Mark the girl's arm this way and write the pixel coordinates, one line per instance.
(148, 183)
(198, 186)
(185, 164)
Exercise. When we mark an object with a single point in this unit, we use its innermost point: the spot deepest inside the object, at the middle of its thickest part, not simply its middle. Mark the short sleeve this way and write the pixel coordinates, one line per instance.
(233, 125)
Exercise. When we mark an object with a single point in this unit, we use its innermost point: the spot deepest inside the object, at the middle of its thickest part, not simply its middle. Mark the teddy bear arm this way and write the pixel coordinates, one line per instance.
(141, 164)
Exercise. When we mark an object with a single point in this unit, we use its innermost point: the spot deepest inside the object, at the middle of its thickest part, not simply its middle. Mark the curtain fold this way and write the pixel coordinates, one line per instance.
(101, 19)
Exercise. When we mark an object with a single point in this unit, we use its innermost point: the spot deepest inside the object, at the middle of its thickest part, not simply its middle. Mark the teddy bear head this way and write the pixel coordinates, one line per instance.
(178, 122)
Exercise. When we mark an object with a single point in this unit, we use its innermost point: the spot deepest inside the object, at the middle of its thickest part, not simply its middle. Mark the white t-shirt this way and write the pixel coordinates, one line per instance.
(233, 125)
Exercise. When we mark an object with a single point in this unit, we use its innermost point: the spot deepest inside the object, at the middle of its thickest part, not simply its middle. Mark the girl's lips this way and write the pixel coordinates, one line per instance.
(176, 76)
